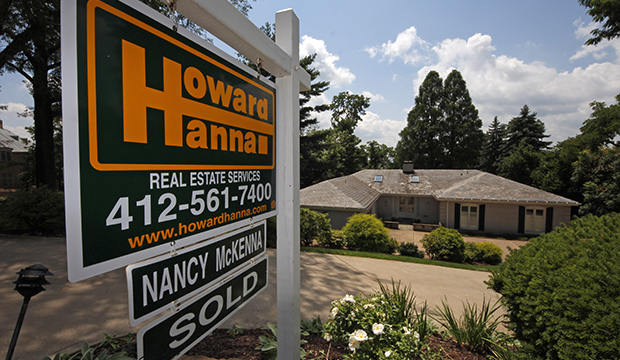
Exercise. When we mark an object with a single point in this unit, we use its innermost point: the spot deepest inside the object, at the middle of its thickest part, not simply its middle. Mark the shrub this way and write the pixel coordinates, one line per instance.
(562, 291)
(336, 241)
(40, 211)
(379, 325)
(410, 249)
(313, 225)
(365, 232)
(476, 327)
(485, 252)
(444, 244)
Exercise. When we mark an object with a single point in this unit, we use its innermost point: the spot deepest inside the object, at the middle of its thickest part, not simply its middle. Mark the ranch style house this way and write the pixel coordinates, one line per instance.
(469, 200)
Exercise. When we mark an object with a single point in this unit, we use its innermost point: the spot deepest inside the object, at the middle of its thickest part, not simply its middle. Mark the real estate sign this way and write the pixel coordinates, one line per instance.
(168, 141)
(155, 283)
(177, 332)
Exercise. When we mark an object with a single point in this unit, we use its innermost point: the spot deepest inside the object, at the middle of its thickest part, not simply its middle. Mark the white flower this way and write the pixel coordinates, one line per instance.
(349, 298)
(416, 335)
(377, 329)
(388, 353)
(406, 331)
(359, 335)
(352, 315)
(369, 306)
(353, 344)
(327, 337)
(334, 312)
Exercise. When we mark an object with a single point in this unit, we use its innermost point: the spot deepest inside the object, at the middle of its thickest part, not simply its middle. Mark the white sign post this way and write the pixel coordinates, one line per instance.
(282, 60)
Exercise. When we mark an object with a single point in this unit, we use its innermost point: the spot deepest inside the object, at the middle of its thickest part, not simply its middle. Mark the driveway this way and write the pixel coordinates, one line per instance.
(66, 314)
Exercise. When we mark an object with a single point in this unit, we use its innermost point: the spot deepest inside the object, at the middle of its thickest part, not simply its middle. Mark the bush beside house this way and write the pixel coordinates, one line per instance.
(365, 232)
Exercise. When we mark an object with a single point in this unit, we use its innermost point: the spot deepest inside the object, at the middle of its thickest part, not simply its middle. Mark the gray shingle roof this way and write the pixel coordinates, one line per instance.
(472, 185)
(11, 141)
(345, 192)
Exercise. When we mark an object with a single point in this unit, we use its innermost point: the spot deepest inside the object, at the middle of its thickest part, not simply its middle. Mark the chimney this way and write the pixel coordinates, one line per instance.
(1, 125)
(408, 167)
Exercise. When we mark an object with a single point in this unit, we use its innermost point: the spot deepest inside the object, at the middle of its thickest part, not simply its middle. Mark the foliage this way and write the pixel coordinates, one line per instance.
(443, 128)
(485, 252)
(598, 175)
(378, 156)
(365, 232)
(235, 331)
(521, 164)
(444, 244)
(30, 42)
(268, 344)
(312, 326)
(378, 326)
(410, 249)
(475, 327)
(491, 148)
(312, 141)
(602, 128)
(313, 225)
(337, 240)
(343, 155)
(525, 128)
(40, 211)
(112, 348)
(562, 291)
(607, 13)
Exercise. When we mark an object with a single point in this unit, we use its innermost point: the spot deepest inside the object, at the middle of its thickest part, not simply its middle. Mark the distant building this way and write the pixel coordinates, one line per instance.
(470, 200)
(12, 159)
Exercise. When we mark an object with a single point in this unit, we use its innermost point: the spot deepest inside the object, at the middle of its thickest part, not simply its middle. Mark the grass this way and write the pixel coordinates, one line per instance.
(409, 259)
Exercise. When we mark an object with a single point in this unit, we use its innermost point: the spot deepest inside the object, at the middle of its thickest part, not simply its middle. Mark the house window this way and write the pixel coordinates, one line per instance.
(405, 204)
(6, 180)
(5, 156)
(469, 217)
(378, 178)
(534, 220)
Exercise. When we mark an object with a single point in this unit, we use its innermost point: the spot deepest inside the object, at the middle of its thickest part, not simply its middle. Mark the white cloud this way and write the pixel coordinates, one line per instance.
(373, 97)
(384, 131)
(404, 47)
(500, 85)
(14, 123)
(325, 62)
(599, 52)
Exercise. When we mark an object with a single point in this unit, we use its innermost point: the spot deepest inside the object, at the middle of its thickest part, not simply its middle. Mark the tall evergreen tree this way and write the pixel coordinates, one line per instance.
(312, 141)
(378, 156)
(491, 149)
(462, 135)
(419, 140)
(525, 128)
(443, 128)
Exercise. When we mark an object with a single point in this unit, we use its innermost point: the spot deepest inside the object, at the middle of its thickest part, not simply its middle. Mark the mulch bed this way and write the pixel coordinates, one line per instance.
(221, 345)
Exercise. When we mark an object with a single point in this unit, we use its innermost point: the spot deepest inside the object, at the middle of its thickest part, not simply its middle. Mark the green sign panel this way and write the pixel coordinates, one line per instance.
(168, 140)
(174, 334)
(155, 283)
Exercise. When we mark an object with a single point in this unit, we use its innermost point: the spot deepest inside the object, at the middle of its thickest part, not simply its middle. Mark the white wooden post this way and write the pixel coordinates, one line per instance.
(282, 60)
(287, 132)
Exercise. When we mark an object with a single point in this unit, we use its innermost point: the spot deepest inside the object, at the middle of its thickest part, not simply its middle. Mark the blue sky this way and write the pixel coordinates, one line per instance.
(510, 53)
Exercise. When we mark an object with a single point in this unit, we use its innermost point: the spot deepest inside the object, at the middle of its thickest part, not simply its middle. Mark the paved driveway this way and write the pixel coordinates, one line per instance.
(67, 313)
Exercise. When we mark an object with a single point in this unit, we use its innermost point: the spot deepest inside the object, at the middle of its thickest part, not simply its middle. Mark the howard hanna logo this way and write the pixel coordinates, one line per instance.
(158, 101)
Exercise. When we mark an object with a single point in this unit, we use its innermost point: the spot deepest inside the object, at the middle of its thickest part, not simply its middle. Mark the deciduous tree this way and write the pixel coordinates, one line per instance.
(606, 12)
